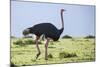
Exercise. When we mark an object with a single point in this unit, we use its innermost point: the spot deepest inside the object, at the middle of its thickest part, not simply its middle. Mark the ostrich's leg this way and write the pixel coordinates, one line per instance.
(46, 47)
(37, 38)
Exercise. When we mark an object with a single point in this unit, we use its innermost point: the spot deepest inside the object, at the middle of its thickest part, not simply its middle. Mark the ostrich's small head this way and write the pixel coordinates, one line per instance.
(26, 32)
(63, 10)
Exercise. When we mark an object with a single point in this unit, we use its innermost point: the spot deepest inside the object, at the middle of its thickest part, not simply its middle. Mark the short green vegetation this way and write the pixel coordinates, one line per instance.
(23, 51)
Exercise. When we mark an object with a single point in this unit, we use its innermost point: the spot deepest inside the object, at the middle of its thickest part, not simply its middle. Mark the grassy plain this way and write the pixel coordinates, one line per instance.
(76, 49)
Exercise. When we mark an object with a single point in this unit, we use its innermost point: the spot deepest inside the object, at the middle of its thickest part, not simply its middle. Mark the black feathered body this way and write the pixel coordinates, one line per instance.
(46, 29)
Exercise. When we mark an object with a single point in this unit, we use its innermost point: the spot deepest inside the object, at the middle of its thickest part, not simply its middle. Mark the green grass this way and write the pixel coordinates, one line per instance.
(75, 50)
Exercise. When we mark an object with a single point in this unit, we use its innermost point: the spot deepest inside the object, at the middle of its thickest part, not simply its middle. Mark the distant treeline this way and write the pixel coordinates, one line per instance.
(88, 36)
(64, 37)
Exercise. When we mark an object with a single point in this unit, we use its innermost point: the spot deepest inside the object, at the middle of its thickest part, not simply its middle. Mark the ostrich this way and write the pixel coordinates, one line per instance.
(48, 30)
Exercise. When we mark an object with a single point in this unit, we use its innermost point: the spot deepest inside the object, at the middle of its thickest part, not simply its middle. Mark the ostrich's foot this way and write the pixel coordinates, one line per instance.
(46, 58)
(38, 55)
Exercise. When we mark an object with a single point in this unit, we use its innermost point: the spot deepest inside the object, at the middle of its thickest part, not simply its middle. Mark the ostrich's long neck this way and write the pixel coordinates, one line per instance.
(62, 20)
(61, 30)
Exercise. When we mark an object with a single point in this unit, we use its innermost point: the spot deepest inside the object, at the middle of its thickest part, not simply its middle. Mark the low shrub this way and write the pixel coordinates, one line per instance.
(66, 36)
(25, 42)
(19, 42)
(66, 55)
(29, 41)
(50, 56)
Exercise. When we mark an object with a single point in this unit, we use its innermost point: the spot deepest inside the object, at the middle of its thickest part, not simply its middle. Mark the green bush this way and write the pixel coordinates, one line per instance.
(19, 42)
(66, 55)
(66, 36)
(29, 41)
(50, 56)
(25, 42)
